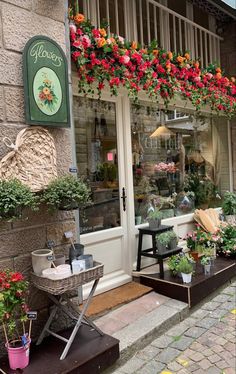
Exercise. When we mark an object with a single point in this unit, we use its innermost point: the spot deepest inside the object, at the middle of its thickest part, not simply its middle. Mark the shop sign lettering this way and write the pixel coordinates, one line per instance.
(46, 83)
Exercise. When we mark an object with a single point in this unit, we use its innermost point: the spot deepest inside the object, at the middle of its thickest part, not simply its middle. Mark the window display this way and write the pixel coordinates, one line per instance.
(175, 159)
(97, 161)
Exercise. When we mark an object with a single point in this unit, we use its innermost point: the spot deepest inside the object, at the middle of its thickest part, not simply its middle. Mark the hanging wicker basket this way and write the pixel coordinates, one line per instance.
(32, 159)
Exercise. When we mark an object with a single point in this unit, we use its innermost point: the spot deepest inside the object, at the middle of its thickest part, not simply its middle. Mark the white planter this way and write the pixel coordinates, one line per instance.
(187, 278)
(207, 269)
(41, 260)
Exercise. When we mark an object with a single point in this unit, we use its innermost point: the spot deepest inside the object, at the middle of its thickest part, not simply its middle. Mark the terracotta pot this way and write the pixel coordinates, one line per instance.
(194, 255)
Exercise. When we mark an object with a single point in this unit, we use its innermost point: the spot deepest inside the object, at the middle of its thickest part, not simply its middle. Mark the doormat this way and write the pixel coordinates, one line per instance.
(106, 301)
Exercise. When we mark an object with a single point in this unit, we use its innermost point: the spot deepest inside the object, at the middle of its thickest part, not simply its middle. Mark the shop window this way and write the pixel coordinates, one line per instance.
(97, 162)
(176, 163)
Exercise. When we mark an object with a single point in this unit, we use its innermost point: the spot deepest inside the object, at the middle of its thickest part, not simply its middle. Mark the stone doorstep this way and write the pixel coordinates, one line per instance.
(142, 330)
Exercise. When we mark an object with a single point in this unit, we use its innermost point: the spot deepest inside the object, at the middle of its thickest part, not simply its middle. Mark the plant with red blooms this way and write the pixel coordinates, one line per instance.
(13, 307)
(102, 59)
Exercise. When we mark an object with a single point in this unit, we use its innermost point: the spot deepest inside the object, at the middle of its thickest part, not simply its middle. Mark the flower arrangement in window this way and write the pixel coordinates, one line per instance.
(110, 59)
(166, 167)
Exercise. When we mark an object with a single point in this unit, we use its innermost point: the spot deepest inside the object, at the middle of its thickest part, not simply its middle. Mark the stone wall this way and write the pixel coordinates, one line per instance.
(19, 21)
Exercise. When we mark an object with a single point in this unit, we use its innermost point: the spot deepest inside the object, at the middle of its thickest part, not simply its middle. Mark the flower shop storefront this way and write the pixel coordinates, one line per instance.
(152, 132)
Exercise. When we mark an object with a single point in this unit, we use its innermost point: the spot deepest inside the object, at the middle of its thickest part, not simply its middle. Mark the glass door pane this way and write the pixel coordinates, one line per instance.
(97, 162)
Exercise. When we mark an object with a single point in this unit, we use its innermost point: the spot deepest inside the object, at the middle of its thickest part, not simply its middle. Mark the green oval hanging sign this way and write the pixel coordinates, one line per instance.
(46, 83)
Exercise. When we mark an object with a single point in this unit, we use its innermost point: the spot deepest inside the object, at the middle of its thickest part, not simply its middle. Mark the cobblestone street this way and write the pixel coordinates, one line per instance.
(202, 343)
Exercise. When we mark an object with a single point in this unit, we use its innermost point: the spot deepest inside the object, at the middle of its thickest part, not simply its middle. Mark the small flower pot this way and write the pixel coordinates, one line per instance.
(172, 244)
(41, 260)
(154, 223)
(18, 355)
(161, 247)
(187, 278)
(207, 269)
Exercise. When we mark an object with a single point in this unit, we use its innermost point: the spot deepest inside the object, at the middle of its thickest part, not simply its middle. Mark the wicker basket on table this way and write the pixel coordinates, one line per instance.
(60, 286)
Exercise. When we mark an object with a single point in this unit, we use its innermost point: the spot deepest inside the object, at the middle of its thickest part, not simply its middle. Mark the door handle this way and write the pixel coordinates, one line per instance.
(124, 197)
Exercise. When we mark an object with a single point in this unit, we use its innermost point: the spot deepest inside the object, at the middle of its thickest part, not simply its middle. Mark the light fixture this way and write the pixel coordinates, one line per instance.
(162, 130)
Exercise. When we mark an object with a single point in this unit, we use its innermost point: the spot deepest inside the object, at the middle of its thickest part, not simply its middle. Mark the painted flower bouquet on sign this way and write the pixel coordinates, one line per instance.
(47, 96)
(103, 59)
(13, 317)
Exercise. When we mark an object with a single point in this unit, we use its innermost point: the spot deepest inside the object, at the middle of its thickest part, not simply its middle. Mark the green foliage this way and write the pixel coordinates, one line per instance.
(106, 172)
(13, 307)
(185, 266)
(14, 196)
(173, 263)
(205, 260)
(163, 238)
(202, 187)
(65, 190)
(155, 214)
(228, 240)
(229, 203)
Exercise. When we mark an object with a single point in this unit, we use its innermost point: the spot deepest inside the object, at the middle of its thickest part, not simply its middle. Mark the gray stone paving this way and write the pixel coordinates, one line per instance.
(203, 343)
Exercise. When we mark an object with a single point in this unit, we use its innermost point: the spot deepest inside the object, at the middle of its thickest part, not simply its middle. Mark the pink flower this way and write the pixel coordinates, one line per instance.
(124, 59)
(72, 28)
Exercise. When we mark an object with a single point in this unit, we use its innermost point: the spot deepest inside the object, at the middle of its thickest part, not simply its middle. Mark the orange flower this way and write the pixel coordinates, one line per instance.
(49, 97)
(112, 40)
(218, 75)
(46, 91)
(170, 55)
(103, 32)
(134, 45)
(196, 65)
(187, 56)
(218, 70)
(101, 42)
(155, 52)
(180, 59)
(79, 18)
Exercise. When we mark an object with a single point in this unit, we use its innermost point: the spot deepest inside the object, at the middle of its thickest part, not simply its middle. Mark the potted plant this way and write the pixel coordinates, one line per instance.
(14, 197)
(173, 240)
(66, 193)
(13, 317)
(206, 262)
(185, 267)
(173, 262)
(229, 207)
(227, 245)
(162, 241)
(154, 218)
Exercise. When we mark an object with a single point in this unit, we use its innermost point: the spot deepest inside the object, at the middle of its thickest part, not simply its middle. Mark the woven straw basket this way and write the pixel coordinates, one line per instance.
(32, 159)
(60, 286)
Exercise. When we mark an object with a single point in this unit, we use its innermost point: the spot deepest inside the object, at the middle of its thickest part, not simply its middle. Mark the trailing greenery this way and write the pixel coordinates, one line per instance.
(185, 266)
(66, 190)
(15, 196)
(229, 203)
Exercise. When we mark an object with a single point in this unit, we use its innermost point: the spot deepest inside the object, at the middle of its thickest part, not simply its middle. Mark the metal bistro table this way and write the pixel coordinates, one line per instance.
(57, 292)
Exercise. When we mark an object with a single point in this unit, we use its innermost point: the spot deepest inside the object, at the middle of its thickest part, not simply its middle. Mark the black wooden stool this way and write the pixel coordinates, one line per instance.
(153, 249)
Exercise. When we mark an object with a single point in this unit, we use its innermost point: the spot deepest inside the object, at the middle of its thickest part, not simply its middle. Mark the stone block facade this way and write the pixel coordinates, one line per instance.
(19, 21)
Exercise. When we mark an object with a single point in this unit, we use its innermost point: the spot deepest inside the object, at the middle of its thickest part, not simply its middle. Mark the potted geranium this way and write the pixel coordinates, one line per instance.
(66, 193)
(14, 197)
(13, 317)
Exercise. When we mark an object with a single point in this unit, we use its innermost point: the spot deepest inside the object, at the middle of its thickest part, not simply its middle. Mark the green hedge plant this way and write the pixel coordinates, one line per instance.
(14, 197)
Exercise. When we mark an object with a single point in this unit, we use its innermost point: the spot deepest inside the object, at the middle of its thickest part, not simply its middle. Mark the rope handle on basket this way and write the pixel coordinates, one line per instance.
(9, 144)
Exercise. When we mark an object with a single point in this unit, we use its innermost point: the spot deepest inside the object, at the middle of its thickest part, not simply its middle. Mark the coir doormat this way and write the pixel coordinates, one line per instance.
(111, 299)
